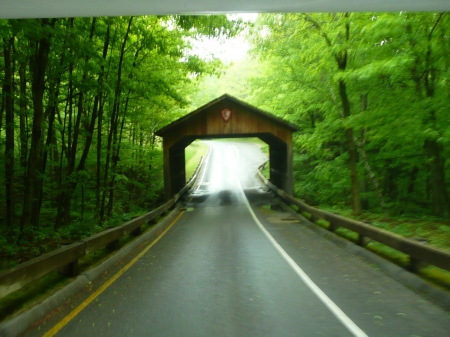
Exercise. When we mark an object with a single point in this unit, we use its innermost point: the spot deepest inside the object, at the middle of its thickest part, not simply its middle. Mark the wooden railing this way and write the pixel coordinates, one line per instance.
(419, 254)
(65, 259)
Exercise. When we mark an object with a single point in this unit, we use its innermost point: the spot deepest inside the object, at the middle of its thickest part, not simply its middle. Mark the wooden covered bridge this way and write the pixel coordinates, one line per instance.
(227, 117)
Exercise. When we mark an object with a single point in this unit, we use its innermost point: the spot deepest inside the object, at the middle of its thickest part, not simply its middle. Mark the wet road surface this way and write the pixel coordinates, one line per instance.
(216, 273)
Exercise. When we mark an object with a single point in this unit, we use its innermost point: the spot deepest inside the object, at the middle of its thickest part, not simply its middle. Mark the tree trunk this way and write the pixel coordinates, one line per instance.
(38, 67)
(412, 180)
(353, 163)
(9, 131)
(441, 202)
(114, 120)
(2, 108)
(23, 118)
(3, 101)
(63, 216)
(99, 160)
(50, 113)
(372, 176)
(99, 100)
(351, 146)
(365, 160)
(117, 144)
(440, 196)
(115, 159)
(341, 57)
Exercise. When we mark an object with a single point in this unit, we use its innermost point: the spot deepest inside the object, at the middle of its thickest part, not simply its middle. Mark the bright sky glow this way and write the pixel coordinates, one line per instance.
(227, 50)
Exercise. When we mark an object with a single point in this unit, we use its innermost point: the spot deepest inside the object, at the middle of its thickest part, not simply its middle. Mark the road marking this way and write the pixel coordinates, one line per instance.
(53, 331)
(340, 315)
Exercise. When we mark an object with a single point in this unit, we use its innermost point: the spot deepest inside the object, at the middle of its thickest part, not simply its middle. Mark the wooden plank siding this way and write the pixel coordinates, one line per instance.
(245, 121)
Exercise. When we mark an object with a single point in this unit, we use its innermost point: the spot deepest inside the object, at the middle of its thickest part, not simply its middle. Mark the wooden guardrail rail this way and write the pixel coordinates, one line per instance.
(65, 259)
(419, 254)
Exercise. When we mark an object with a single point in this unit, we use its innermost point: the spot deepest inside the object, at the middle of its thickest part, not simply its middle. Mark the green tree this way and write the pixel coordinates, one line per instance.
(81, 99)
(369, 91)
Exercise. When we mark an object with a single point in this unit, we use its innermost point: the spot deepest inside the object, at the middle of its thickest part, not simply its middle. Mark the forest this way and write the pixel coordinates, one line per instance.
(81, 99)
(371, 95)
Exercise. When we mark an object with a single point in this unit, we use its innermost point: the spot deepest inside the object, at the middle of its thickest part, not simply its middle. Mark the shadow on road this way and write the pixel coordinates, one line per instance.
(226, 197)
(259, 197)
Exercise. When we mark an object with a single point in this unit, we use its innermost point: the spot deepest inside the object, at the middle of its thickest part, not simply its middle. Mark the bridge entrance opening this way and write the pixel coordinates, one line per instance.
(199, 149)
(227, 117)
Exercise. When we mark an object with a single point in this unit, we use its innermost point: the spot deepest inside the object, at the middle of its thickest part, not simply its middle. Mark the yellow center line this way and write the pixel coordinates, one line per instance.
(53, 331)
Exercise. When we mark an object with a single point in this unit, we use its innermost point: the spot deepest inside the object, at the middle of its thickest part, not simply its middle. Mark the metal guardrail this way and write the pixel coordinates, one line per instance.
(65, 259)
(419, 254)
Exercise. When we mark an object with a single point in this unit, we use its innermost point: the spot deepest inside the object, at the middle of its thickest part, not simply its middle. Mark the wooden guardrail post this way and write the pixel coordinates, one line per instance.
(136, 232)
(114, 245)
(416, 264)
(72, 269)
(333, 227)
(363, 240)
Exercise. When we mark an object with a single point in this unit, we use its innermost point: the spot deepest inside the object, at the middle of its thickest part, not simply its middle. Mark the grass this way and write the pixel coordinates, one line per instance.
(435, 231)
(31, 294)
(193, 153)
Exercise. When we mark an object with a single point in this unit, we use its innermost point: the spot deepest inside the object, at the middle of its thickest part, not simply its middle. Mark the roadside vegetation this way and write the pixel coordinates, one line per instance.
(44, 287)
(369, 92)
(82, 98)
(80, 102)
(428, 231)
(193, 154)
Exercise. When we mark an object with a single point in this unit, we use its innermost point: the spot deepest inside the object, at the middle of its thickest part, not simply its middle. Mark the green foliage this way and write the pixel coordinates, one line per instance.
(209, 25)
(193, 154)
(396, 79)
(108, 85)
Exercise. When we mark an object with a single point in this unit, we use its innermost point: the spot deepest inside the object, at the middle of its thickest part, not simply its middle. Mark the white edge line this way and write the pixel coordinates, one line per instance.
(340, 315)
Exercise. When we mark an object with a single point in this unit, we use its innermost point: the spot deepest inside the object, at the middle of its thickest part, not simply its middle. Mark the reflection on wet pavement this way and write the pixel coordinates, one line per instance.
(227, 162)
(226, 197)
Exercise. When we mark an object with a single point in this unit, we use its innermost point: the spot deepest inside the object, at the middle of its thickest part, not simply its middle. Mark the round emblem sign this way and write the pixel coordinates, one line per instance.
(226, 114)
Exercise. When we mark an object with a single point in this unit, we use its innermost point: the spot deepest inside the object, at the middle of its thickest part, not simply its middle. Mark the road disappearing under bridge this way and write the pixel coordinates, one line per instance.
(228, 267)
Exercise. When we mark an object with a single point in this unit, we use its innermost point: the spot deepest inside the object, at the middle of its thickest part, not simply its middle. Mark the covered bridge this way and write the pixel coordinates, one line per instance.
(227, 117)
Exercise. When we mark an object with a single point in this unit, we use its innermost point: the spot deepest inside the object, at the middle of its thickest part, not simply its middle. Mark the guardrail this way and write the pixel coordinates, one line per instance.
(65, 259)
(419, 254)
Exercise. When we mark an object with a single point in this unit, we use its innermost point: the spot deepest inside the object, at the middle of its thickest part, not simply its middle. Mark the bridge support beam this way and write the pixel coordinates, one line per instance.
(281, 162)
(174, 168)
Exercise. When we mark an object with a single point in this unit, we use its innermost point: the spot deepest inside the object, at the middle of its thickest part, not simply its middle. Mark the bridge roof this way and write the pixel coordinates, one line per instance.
(254, 110)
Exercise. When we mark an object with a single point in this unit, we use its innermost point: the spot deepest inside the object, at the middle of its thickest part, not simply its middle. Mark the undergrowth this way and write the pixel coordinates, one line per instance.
(37, 241)
(45, 286)
(428, 230)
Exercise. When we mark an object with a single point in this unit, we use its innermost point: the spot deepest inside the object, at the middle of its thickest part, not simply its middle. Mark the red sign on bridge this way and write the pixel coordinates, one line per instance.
(226, 114)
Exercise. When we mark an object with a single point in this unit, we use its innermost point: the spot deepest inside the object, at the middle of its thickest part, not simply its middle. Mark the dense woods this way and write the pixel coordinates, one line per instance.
(370, 92)
(81, 99)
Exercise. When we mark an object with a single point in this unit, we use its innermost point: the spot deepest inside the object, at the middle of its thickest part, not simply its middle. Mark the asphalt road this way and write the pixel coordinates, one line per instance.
(221, 271)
